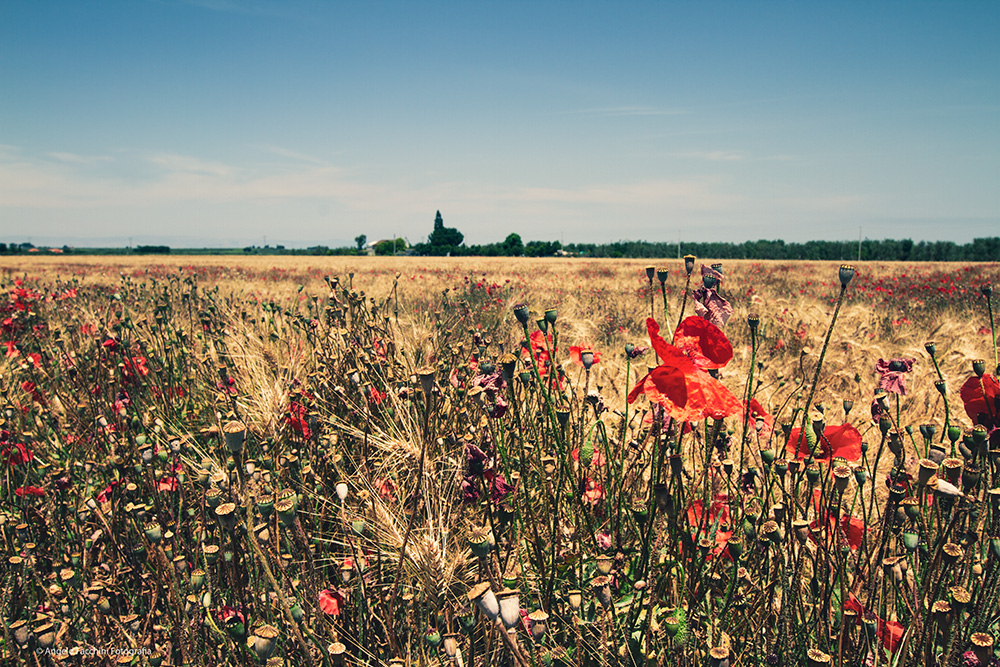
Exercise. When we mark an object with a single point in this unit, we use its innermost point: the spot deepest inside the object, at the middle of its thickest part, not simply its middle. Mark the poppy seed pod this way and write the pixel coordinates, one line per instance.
(672, 625)
(602, 590)
(154, 532)
(982, 646)
(587, 358)
(650, 273)
(662, 275)
(841, 477)
(46, 635)
(941, 611)
(21, 631)
(927, 470)
(952, 470)
(226, 514)
(689, 263)
(575, 599)
(950, 553)
(979, 367)
(432, 637)
(543, 325)
(521, 313)
(510, 607)
(550, 315)
(286, 511)
(960, 597)
(815, 657)
(986, 289)
(451, 644)
(341, 489)
(234, 432)
(604, 564)
(845, 274)
(483, 596)
(537, 622)
(263, 641)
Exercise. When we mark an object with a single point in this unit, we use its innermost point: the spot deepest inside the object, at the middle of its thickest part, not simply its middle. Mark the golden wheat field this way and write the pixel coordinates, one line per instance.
(429, 461)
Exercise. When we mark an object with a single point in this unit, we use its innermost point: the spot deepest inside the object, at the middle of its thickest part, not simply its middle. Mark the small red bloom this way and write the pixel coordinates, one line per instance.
(754, 413)
(842, 441)
(576, 354)
(16, 454)
(330, 601)
(718, 512)
(29, 491)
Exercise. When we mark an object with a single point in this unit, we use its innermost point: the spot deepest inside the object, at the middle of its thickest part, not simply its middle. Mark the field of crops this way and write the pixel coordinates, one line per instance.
(356, 461)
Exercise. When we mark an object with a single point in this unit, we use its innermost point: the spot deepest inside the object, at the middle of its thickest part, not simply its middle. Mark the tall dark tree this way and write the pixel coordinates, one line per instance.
(443, 240)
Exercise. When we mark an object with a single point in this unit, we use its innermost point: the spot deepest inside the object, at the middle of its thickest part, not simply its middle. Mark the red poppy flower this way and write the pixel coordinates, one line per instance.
(597, 459)
(718, 512)
(16, 454)
(754, 412)
(297, 419)
(982, 404)
(167, 483)
(104, 495)
(679, 384)
(592, 491)
(541, 353)
(890, 632)
(330, 601)
(853, 528)
(842, 441)
(11, 348)
(36, 359)
(29, 491)
(576, 353)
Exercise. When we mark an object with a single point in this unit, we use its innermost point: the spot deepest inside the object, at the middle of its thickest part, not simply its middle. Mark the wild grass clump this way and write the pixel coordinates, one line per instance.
(264, 465)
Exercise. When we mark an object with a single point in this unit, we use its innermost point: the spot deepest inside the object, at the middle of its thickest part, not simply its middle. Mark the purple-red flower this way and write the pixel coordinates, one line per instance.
(707, 301)
(892, 374)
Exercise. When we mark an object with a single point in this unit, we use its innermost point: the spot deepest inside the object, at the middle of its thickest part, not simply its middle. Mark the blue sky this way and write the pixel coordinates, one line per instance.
(208, 122)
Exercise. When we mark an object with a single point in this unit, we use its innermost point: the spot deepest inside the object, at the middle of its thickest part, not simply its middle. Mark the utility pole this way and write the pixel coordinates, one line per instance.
(859, 244)
(678, 244)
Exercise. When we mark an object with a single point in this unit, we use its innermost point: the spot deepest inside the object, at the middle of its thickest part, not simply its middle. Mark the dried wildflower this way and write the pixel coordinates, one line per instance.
(892, 375)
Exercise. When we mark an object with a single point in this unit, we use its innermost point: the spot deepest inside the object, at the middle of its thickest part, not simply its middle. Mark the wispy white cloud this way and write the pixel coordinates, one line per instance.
(630, 111)
(75, 158)
(293, 155)
(715, 156)
(172, 163)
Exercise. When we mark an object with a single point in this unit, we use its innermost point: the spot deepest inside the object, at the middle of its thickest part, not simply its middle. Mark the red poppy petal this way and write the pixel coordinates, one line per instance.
(703, 341)
(664, 350)
(845, 441)
(980, 396)
(711, 397)
(842, 441)
(639, 388)
(668, 387)
(329, 602)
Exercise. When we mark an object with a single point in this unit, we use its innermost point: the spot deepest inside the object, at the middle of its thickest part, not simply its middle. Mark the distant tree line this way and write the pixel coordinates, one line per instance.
(888, 250)
(448, 241)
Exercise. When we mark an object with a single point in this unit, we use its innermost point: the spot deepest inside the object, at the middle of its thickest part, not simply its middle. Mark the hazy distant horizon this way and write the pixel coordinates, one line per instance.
(195, 122)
